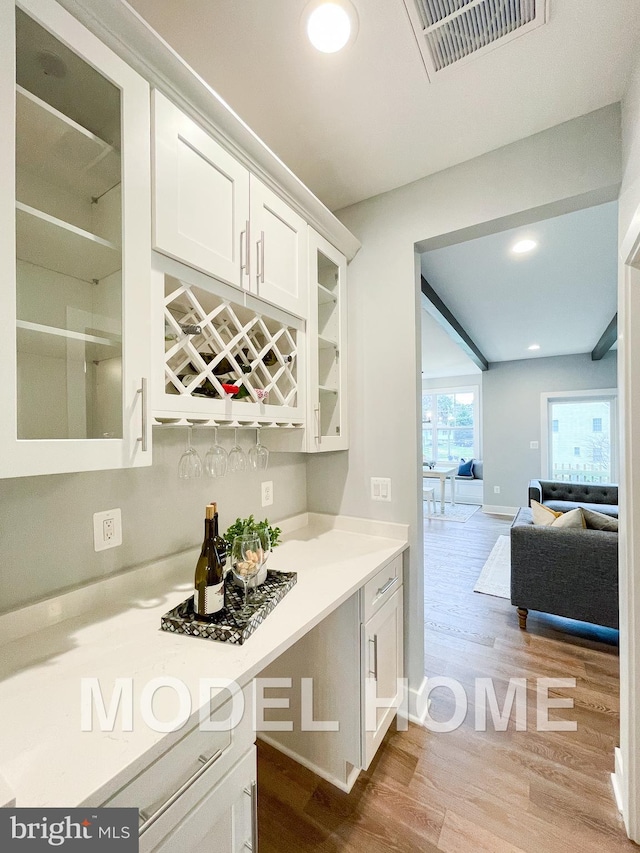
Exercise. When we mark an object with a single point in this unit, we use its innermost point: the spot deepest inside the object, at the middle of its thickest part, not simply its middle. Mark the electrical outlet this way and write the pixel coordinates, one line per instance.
(533, 445)
(380, 489)
(267, 493)
(107, 529)
(496, 490)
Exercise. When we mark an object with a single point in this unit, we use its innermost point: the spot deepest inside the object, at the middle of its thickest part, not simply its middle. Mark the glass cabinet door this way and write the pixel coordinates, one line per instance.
(78, 282)
(327, 346)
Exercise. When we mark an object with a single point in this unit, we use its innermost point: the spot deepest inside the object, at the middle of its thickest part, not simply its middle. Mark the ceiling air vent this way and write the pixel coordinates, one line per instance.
(450, 31)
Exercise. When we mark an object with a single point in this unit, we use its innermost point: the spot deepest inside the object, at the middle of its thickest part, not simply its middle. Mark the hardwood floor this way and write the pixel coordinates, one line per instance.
(467, 791)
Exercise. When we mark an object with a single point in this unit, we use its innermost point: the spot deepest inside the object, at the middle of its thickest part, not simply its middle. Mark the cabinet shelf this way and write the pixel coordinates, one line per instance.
(57, 149)
(52, 342)
(56, 245)
(326, 343)
(327, 389)
(325, 295)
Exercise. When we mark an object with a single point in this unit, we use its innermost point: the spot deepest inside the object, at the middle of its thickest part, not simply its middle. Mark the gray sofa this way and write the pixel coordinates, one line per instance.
(567, 572)
(561, 496)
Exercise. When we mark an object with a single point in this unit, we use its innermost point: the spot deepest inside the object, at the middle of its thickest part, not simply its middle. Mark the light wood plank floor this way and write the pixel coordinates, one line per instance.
(468, 791)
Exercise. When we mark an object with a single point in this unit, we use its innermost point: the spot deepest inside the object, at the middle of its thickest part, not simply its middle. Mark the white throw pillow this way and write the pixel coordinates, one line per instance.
(573, 518)
(542, 515)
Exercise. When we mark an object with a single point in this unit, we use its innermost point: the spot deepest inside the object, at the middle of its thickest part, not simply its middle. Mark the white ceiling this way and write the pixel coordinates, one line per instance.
(363, 121)
(561, 296)
(441, 357)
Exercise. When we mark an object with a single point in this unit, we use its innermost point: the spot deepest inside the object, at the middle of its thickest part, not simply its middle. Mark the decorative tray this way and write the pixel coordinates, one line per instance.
(228, 625)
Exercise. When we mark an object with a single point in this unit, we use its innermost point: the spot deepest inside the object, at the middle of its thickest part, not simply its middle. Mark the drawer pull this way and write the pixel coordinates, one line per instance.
(149, 820)
(374, 671)
(387, 586)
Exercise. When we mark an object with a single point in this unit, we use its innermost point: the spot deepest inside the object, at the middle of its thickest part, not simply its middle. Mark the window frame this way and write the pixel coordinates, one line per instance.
(549, 397)
(477, 422)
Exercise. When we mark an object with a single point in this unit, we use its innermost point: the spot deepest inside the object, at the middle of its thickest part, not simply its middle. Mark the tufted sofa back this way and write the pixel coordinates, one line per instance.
(593, 493)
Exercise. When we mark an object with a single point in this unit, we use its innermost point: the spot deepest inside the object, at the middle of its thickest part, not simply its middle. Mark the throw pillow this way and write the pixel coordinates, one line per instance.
(571, 519)
(465, 469)
(542, 515)
(599, 521)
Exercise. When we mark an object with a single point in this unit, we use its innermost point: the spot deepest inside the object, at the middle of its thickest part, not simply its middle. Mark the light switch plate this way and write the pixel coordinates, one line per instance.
(381, 489)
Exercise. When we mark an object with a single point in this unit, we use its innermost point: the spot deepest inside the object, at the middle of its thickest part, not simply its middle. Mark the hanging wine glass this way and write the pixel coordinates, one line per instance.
(237, 461)
(258, 455)
(246, 560)
(215, 461)
(190, 464)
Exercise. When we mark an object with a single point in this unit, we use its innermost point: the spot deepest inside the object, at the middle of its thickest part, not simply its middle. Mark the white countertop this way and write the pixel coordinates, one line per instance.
(111, 630)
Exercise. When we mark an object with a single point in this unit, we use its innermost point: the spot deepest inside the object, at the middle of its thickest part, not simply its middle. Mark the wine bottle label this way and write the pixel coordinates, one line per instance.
(213, 599)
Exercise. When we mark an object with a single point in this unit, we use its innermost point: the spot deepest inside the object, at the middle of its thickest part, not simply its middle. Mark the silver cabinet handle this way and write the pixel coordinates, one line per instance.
(253, 793)
(149, 820)
(387, 586)
(260, 259)
(143, 392)
(318, 411)
(245, 265)
(374, 671)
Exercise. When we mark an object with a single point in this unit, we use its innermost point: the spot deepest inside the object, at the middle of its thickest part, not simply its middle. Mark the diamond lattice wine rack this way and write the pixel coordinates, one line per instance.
(227, 359)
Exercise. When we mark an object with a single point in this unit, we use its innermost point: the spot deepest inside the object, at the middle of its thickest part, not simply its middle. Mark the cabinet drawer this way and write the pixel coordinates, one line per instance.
(184, 763)
(381, 587)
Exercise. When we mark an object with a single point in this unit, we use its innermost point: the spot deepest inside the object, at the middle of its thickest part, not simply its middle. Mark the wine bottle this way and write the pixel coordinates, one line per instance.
(208, 597)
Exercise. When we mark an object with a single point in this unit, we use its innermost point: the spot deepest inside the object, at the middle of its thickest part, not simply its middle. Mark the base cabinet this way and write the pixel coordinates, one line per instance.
(342, 683)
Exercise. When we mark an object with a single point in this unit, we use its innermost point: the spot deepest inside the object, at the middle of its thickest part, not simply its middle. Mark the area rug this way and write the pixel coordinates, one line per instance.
(495, 577)
(457, 512)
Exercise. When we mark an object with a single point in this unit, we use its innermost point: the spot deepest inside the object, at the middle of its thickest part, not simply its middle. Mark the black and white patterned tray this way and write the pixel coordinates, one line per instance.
(228, 625)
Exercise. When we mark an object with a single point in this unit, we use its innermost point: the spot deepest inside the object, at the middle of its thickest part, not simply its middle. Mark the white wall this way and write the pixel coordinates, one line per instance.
(46, 525)
(512, 419)
(564, 168)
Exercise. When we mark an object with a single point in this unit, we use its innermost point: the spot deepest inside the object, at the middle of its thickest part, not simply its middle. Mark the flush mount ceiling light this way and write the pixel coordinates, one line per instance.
(534, 347)
(523, 246)
(330, 26)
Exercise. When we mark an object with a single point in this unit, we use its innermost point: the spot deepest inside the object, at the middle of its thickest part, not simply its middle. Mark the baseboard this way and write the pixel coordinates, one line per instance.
(616, 780)
(489, 509)
(418, 705)
(345, 786)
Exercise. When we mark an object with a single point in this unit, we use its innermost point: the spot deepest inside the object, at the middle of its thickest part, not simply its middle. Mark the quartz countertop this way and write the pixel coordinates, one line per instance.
(111, 630)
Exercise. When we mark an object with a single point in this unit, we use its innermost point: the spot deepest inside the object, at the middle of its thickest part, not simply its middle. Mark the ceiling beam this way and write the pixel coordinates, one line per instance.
(607, 340)
(435, 307)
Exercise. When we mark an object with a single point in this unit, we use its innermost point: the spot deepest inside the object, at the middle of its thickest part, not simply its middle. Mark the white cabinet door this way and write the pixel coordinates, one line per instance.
(327, 342)
(201, 197)
(224, 821)
(75, 214)
(382, 667)
(279, 240)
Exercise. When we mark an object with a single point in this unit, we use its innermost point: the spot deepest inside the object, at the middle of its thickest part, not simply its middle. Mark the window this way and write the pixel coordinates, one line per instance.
(585, 449)
(450, 428)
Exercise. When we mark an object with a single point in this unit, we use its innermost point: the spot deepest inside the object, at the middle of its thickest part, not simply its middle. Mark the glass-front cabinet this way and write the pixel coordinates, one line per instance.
(327, 375)
(75, 245)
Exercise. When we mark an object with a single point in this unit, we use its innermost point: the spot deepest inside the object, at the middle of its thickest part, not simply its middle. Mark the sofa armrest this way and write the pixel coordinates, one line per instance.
(535, 491)
(569, 572)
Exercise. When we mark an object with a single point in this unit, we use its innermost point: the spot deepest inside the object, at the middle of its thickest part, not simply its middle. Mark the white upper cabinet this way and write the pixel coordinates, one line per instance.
(201, 208)
(212, 214)
(327, 341)
(280, 239)
(74, 208)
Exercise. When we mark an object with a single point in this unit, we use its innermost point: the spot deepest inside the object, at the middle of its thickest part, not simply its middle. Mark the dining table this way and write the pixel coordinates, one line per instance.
(441, 472)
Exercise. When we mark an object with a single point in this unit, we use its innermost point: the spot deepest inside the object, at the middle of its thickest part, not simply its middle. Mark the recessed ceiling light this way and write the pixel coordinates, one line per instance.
(330, 26)
(534, 347)
(523, 246)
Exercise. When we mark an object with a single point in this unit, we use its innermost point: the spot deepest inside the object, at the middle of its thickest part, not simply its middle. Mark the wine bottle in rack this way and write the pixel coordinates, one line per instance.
(208, 598)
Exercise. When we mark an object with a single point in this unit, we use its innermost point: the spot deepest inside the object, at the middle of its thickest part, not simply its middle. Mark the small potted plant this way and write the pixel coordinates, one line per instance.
(259, 528)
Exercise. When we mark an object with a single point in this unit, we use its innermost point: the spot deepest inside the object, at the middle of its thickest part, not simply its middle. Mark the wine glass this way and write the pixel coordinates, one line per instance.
(190, 464)
(265, 541)
(237, 461)
(258, 455)
(246, 560)
(215, 461)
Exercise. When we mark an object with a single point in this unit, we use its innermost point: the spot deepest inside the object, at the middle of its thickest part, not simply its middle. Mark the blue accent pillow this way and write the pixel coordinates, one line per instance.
(465, 469)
